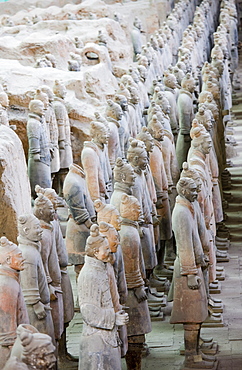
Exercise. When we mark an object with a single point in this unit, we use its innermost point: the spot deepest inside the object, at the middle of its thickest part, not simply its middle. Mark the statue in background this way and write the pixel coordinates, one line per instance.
(95, 162)
(186, 115)
(136, 37)
(39, 150)
(114, 115)
(51, 122)
(124, 179)
(64, 132)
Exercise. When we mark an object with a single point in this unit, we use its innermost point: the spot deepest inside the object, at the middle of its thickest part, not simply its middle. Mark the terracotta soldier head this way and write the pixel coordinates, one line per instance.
(134, 95)
(127, 80)
(40, 95)
(188, 83)
(156, 129)
(143, 60)
(50, 194)
(123, 91)
(37, 349)
(59, 89)
(154, 42)
(114, 110)
(122, 101)
(203, 96)
(197, 129)
(206, 117)
(187, 188)
(201, 139)
(192, 174)
(29, 227)
(134, 73)
(142, 72)
(123, 172)
(130, 208)
(100, 118)
(97, 245)
(37, 107)
(107, 213)
(137, 154)
(163, 102)
(10, 255)
(43, 209)
(147, 139)
(170, 80)
(99, 133)
(137, 23)
(47, 90)
(112, 235)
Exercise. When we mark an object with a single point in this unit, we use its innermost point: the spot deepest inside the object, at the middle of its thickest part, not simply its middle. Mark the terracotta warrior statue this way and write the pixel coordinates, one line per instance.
(138, 158)
(124, 179)
(68, 301)
(39, 150)
(81, 215)
(124, 132)
(64, 131)
(99, 348)
(116, 274)
(114, 115)
(51, 122)
(33, 278)
(204, 233)
(189, 286)
(44, 211)
(197, 158)
(117, 257)
(186, 115)
(137, 37)
(139, 318)
(157, 166)
(13, 311)
(148, 140)
(95, 162)
(171, 84)
(32, 350)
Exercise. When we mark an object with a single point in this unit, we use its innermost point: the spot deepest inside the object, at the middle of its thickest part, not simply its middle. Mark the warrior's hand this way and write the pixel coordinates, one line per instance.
(88, 223)
(121, 318)
(62, 144)
(36, 157)
(53, 296)
(140, 294)
(193, 281)
(39, 310)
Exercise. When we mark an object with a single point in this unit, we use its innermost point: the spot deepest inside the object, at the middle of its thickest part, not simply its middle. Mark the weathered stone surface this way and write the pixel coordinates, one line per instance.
(15, 196)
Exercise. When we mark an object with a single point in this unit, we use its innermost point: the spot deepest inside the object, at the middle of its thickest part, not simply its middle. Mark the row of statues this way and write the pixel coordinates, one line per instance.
(145, 195)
